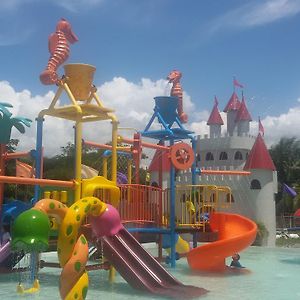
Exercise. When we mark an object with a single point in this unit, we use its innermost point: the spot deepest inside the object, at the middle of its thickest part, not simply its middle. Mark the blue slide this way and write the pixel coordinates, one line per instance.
(10, 211)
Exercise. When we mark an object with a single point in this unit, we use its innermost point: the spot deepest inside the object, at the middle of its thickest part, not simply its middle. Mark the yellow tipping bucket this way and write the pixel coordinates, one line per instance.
(80, 80)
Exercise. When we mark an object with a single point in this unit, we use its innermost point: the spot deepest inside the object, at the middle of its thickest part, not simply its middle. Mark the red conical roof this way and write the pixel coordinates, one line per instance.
(259, 156)
(233, 103)
(160, 157)
(243, 113)
(215, 117)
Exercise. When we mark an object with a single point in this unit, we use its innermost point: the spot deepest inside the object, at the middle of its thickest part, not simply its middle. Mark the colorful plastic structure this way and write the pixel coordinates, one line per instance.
(59, 50)
(176, 91)
(236, 233)
(89, 219)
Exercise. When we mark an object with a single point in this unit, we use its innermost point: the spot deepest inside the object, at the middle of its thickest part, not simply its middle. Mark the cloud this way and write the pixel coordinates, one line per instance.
(133, 104)
(284, 125)
(254, 14)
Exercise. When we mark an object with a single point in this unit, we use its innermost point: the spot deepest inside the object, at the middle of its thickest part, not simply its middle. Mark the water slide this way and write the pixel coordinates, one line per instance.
(141, 270)
(8, 259)
(4, 253)
(235, 232)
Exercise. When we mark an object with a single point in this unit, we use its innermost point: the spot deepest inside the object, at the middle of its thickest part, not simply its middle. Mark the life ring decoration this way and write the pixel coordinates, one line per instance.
(182, 156)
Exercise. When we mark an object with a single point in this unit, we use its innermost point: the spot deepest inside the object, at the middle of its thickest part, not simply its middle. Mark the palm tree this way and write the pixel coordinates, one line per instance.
(7, 122)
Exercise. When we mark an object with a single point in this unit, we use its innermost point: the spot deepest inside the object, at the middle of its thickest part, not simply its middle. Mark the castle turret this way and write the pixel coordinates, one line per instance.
(231, 109)
(215, 121)
(243, 119)
(263, 186)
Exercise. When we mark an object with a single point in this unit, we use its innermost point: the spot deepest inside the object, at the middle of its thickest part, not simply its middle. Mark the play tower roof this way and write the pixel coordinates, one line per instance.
(259, 156)
(243, 113)
(233, 103)
(215, 117)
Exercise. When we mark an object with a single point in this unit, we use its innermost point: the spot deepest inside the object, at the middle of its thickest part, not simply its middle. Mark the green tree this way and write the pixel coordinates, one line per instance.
(286, 157)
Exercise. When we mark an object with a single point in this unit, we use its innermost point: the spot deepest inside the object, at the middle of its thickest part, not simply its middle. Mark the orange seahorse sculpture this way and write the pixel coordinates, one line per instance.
(59, 50)
(176, 91)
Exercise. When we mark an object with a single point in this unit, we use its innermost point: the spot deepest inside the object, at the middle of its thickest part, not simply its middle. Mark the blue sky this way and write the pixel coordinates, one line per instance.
(136, 43)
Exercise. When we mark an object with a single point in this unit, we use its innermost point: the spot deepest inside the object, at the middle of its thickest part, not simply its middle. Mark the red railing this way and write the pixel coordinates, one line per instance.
(140, 204)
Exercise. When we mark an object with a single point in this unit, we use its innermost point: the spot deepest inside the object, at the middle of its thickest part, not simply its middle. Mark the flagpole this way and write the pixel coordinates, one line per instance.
(233, 84)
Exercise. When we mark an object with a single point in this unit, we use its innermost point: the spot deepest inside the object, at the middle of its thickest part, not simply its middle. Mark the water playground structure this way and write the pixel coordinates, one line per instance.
(96, 212)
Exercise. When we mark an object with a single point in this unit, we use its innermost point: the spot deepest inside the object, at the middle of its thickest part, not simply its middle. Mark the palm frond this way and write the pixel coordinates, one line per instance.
(4, 110)
(18, 124)
(27, 122)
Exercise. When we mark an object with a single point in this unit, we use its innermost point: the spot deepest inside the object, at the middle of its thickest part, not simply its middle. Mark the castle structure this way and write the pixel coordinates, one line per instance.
(252, 196)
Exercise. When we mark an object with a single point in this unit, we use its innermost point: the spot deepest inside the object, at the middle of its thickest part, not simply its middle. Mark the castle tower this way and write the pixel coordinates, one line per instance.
(263, 186)
(243, 119)
(231, 109)
(215, 121)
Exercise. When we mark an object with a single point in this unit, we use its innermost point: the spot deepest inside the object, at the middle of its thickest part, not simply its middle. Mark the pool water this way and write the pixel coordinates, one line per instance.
(274, 275)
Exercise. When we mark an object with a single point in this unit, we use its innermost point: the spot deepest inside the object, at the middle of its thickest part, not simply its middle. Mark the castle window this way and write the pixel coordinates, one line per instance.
(209, 156)
(238, 155)
(223, 156)
(255, 185)
(198, 157)
(229, 198)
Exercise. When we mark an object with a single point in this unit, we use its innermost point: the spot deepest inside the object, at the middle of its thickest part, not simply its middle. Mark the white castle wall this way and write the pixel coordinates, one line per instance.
(243, 128)
(257, 204)
(215, 130)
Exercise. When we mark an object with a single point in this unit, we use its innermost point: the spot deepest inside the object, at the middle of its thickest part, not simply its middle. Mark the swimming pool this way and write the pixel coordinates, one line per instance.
(274, 275)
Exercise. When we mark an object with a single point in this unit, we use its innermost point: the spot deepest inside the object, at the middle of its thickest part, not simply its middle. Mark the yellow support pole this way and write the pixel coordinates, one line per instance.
(78, 149)
(129, 171)
(47, 195)
(114, 151)
(104, 173)
(64, 197)
(112, 274)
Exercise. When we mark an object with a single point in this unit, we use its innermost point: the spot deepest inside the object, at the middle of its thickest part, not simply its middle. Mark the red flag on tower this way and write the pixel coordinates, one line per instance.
(261, 129)
(237, 84)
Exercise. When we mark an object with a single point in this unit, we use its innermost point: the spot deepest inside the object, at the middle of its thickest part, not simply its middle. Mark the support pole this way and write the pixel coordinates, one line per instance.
(114, 151)
(194, 182)
(2, 173)
(38, 156)
(78, 150)
(172, 213)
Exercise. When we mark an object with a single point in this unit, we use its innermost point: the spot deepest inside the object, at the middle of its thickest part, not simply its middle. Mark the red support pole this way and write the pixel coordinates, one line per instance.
(2, 172)
(15, 155)
(36, 181)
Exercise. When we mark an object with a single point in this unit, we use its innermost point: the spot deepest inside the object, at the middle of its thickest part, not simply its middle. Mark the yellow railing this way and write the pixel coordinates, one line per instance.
(194, 203)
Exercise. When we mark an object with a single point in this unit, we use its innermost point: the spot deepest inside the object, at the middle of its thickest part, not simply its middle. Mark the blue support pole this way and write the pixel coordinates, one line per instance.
(38, 174)
(194, 145)
(172, 213)
(194, 181)
(38, 156)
